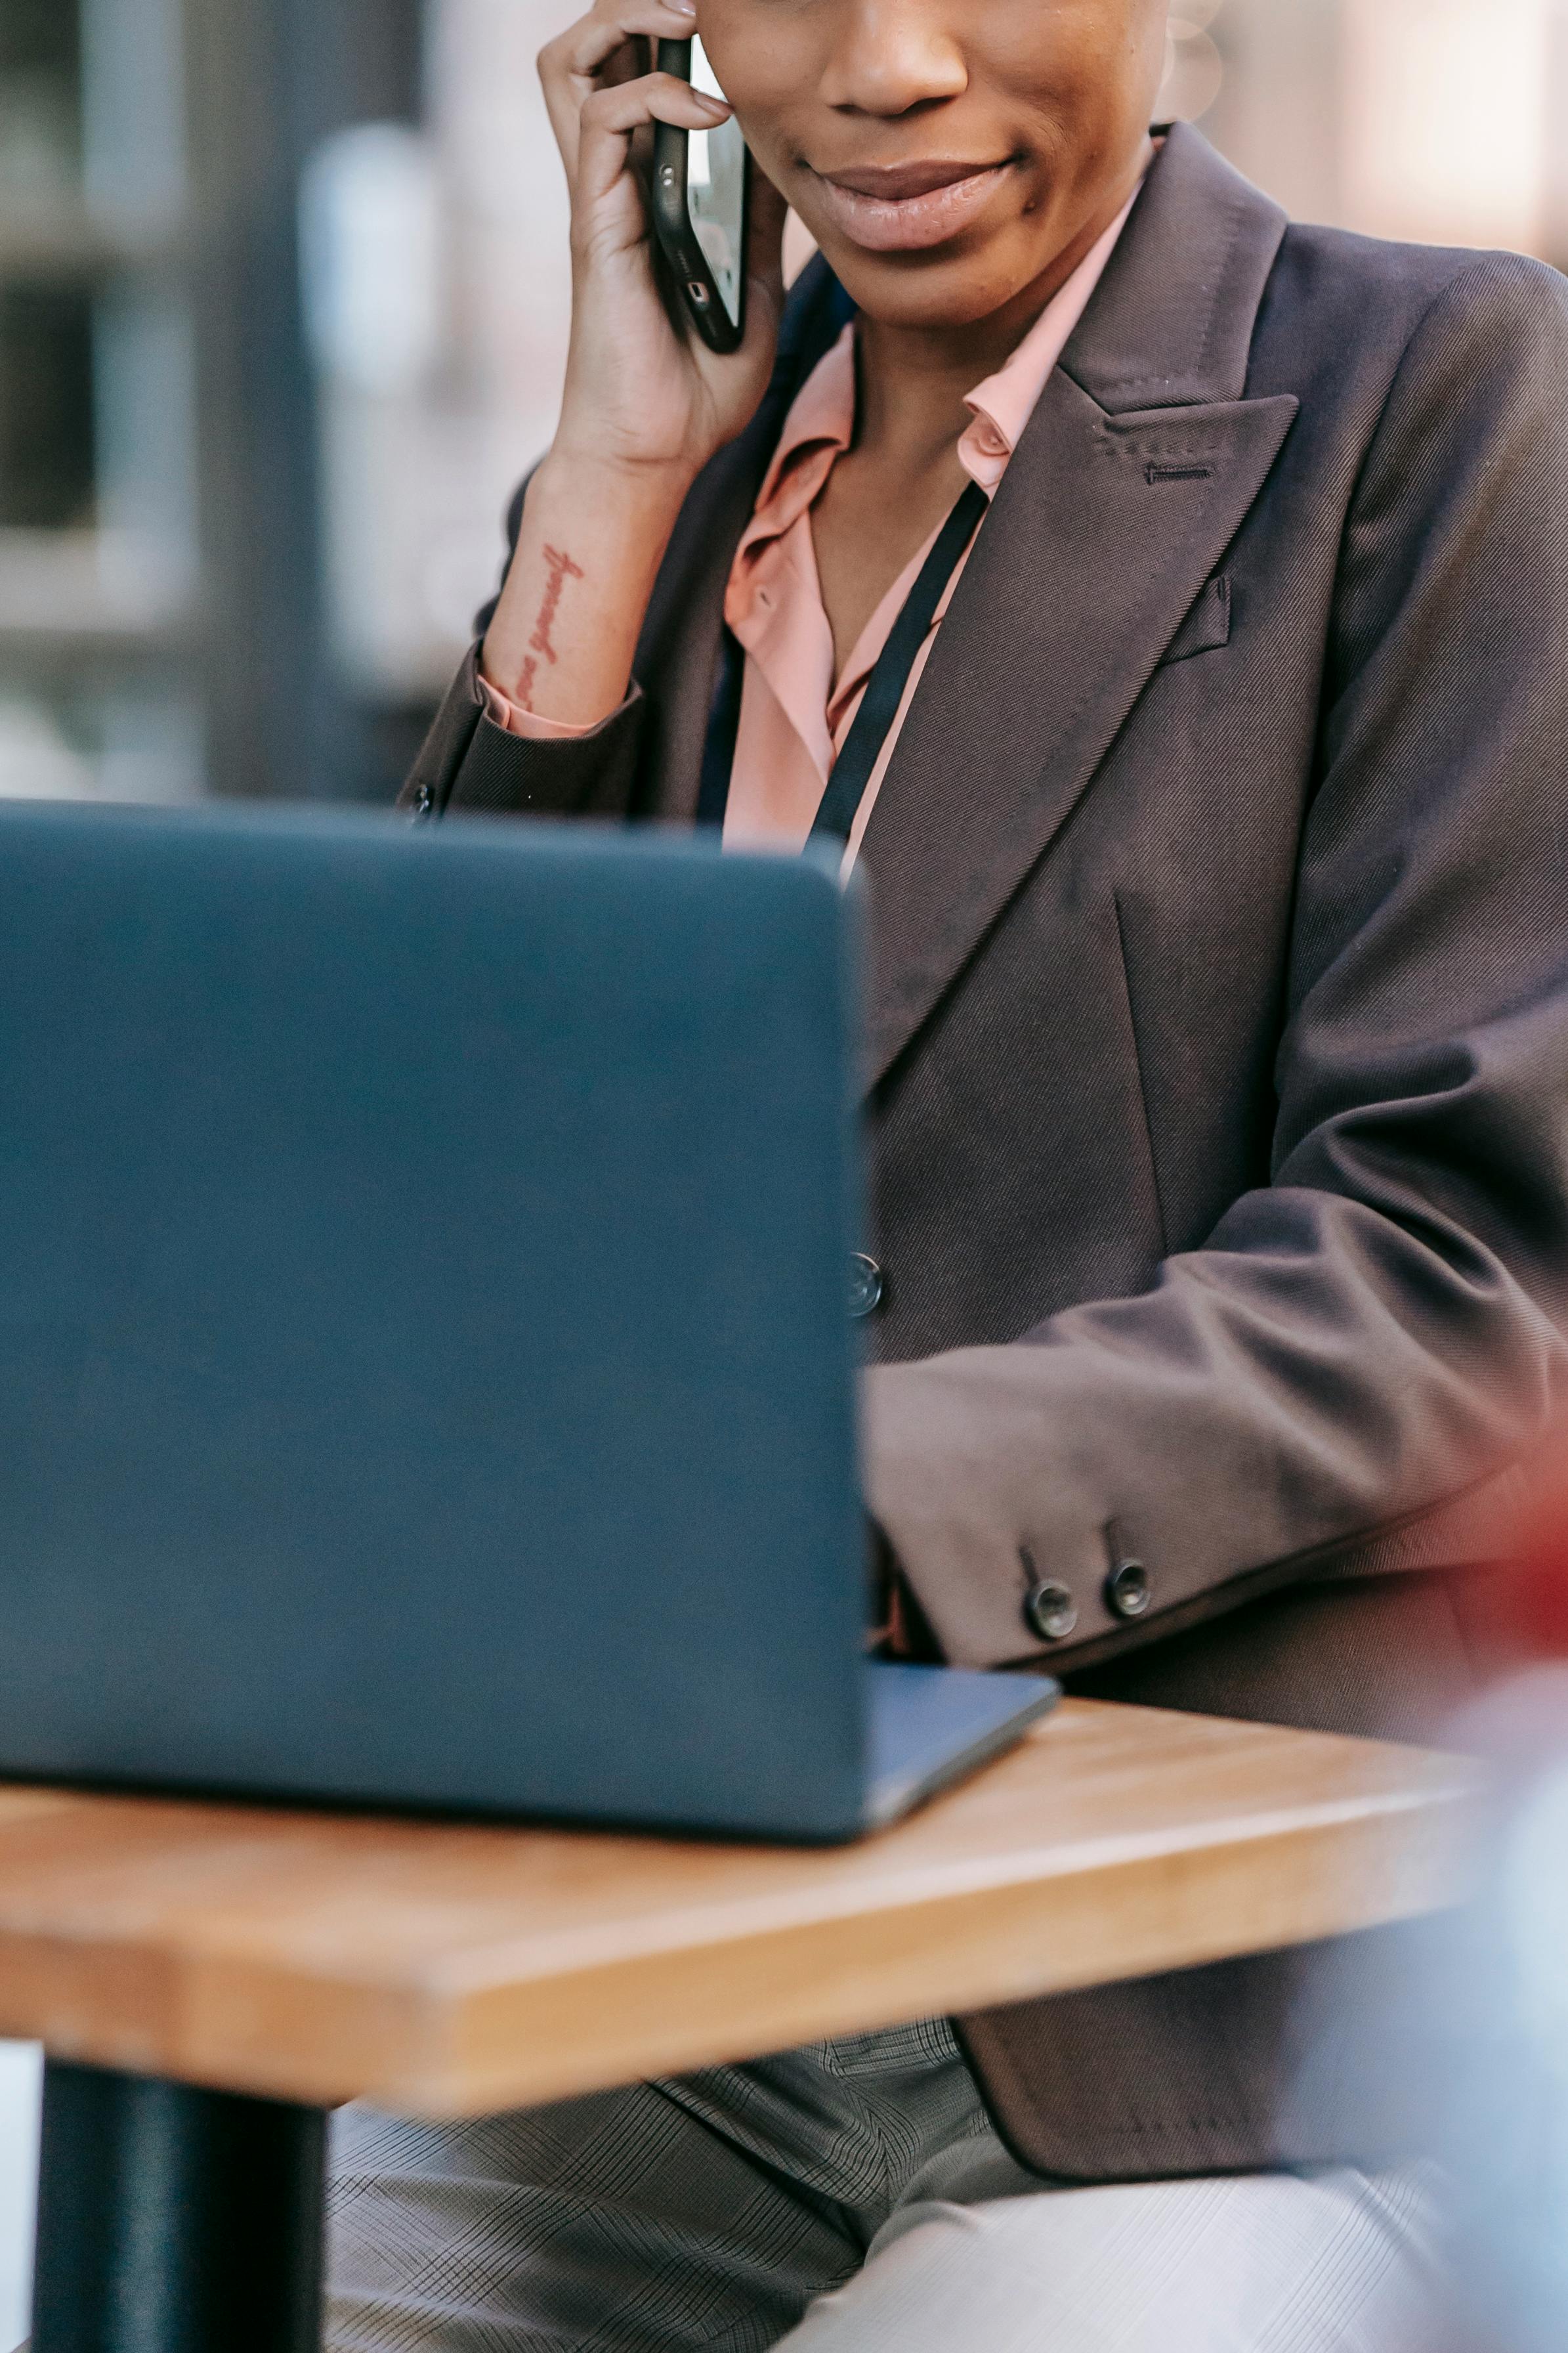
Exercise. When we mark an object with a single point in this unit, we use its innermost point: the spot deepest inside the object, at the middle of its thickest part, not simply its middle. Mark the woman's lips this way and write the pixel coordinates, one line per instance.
(911, 206)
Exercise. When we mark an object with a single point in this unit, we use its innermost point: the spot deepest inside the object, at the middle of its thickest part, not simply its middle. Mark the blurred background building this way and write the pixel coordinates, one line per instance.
(282, 308)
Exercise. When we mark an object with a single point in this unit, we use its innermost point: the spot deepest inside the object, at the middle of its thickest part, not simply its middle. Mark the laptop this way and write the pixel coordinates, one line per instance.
(425, 1366)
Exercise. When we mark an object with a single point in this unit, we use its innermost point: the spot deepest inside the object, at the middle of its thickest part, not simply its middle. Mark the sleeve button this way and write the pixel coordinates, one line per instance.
(1128, 1592)
(1050, 1611)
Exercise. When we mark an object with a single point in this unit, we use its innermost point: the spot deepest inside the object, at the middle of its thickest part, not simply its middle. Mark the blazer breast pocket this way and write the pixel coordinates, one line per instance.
(1207, 626)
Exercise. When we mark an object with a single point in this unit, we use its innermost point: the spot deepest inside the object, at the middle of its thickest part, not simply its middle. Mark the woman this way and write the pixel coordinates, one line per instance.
(1213, 823)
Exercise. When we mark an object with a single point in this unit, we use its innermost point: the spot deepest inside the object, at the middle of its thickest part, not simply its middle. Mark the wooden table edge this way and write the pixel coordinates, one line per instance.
(486, 2028)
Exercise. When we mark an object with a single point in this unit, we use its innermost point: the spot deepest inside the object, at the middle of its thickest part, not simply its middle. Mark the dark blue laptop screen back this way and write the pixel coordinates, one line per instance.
(424, 1360)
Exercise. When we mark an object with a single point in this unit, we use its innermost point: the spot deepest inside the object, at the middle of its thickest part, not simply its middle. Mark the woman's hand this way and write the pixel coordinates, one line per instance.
(641, 390)
(645, 404)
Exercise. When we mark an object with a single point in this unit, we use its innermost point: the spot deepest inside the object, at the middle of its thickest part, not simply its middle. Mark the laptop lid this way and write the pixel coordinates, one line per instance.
(424, 1356)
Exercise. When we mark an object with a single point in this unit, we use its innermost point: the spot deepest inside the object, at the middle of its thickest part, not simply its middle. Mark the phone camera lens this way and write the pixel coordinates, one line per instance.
(698, 291)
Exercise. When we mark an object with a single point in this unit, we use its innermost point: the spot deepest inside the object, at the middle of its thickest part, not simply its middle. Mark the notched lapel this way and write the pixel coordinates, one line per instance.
(1135, 473)
(1088, 563)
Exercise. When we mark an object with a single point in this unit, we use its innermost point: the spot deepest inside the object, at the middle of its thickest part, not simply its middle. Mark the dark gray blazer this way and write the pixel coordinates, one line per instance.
(1217, 1049)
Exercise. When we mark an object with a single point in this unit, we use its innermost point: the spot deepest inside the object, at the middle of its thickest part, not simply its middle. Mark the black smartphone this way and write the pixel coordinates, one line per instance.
(702, 201)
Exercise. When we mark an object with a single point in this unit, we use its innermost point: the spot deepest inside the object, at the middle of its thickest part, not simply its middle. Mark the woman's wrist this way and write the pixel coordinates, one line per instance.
(628, 488)
(592, 539)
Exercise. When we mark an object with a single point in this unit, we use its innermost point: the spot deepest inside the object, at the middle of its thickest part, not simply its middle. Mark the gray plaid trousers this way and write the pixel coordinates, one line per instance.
(855, 2193)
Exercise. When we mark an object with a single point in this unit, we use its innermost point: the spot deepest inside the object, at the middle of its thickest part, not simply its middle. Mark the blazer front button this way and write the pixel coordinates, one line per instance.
(1128, 1592)
(866, 1286)
(1050, 1611)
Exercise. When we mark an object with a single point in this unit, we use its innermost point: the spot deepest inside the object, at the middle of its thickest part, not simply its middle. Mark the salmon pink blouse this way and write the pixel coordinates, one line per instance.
(795, 714)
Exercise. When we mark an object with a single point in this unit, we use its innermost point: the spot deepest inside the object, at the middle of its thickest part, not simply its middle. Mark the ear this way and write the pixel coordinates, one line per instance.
(630, 63)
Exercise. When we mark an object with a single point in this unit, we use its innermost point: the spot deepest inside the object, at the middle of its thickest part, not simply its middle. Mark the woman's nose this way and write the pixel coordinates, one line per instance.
(891, 56)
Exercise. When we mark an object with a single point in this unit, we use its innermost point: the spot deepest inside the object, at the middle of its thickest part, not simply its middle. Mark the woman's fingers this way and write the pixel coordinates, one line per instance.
(636, 384)
(610, 119)
(607, 46)
(586, 47)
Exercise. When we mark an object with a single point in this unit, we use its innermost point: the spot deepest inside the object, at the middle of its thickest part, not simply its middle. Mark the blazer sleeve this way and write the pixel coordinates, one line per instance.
(468, 762)
(1382, 1328)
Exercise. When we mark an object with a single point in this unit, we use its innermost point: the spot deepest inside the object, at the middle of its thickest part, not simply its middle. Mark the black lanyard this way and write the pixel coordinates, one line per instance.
(885, 689)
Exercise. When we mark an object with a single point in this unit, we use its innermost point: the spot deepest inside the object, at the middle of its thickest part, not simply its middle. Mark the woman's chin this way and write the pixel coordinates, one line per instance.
(927, 289)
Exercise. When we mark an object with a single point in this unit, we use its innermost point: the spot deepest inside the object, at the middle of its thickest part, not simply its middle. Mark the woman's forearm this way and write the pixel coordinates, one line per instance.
(645, 404)
(565, 630)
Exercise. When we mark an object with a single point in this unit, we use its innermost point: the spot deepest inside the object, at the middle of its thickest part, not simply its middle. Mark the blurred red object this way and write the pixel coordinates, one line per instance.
(1534, 1595)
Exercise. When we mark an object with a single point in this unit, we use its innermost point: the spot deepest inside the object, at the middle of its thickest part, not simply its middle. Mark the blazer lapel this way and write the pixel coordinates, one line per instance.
(1136, 471)
(677, 654)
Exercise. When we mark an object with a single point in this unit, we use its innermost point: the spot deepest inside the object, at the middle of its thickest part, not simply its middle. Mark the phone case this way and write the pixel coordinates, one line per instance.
(696, 288)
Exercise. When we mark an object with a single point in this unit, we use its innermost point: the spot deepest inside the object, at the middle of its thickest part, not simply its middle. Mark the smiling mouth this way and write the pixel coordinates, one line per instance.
(906, 207)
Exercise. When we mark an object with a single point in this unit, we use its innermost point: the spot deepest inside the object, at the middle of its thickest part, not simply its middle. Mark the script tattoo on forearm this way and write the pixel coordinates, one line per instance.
(561, 569)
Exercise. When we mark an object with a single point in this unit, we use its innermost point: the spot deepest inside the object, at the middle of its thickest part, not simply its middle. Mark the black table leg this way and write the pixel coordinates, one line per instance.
(176, 2221)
